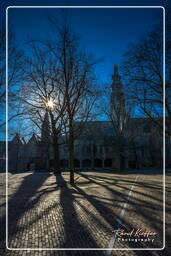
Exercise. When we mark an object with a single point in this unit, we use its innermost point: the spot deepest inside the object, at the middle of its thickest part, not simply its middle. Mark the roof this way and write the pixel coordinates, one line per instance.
(89, 130)
(18, 139)
(33, 139)
(104, 129)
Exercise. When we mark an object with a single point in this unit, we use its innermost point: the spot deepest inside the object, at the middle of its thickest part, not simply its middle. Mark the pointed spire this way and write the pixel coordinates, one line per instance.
(117, 96)
(116, 71)
(115, 78)
(17, 139)
(24, 142)
(33, 139)
(45, 135)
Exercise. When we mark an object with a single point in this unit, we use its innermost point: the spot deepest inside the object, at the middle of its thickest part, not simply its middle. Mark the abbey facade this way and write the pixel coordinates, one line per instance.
(97, 145)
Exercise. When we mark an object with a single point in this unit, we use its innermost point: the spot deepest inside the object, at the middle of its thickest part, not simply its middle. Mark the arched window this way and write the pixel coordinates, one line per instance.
(94, 149)
(64, 163)
(98, 162)
(88, 149)
(76, 163)
(108, 162)
(107, 150)
(86, 163)
(83, 150)
(101, 150)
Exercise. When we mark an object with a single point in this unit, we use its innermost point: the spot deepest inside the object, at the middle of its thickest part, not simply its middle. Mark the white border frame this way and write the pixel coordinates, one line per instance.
(85, 249)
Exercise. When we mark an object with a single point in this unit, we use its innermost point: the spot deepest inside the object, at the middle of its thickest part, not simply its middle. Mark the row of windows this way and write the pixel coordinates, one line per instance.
(86, 163)
(95, 149)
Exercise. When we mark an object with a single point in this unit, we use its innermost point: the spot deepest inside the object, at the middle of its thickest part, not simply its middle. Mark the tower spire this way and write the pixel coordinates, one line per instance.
(117, 101)
(45, 133)
(116, 70)
(115, 78)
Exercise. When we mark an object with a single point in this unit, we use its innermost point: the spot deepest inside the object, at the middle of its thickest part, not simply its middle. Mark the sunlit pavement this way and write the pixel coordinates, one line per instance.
(45, 212)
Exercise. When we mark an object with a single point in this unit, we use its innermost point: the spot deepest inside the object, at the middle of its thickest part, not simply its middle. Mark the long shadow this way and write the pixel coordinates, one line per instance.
(139, 209)
(142, 184)
(105, 212)
(75, 234)
(20, 203)
(138, 201)
(93, 178)
(117, 179)
(110, 216)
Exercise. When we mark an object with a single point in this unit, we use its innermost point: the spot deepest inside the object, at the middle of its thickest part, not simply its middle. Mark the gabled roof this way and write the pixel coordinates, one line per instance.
(18, 139)
(33, 139)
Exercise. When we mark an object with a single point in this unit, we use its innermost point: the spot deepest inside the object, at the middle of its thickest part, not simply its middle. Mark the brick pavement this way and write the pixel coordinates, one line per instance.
(45, 212)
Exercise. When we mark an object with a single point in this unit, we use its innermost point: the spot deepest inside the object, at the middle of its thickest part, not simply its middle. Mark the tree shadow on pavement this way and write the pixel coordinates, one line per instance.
(76, 235)
(22, 201)
(137, 209)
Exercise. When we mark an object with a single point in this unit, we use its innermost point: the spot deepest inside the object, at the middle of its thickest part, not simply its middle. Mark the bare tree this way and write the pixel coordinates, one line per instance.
(143, 73)
(75, 75)
(42, 97)
(60, 82)
(15, 73)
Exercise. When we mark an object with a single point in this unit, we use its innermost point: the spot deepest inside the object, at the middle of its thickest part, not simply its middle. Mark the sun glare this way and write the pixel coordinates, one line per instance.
(50, 103)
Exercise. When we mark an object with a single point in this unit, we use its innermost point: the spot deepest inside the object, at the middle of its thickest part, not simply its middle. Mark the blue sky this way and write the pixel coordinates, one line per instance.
(105, 32)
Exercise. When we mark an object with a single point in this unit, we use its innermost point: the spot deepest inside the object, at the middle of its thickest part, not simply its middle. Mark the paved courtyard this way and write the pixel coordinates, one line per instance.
(45, 212)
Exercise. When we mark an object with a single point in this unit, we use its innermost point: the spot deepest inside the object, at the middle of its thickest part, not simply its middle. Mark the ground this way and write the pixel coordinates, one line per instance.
(44, 211)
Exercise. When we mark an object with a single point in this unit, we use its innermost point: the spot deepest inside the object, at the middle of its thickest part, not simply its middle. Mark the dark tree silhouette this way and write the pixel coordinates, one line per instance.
(42, 97)
(15, 74)
(143, 73)
(59, 81)
(76, 78)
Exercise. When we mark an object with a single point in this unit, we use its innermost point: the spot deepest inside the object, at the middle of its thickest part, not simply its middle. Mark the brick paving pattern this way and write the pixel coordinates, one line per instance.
(45, 212)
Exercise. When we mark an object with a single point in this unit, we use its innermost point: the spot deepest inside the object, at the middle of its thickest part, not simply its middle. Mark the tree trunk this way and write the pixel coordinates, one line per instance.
(71, 156)
(122, 158)
(136, 159)
(117, 151)
(56, 158)
(120, 162)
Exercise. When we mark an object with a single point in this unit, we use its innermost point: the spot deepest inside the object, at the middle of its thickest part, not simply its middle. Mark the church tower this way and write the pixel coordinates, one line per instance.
(117, 101)
(45, 132)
